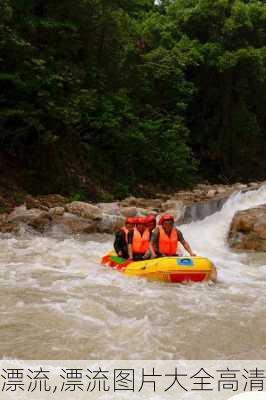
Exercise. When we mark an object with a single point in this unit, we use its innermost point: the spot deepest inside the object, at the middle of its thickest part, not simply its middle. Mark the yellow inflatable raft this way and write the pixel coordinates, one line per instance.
(167, 269)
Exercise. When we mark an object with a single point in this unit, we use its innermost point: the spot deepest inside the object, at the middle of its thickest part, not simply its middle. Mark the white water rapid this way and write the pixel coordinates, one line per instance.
(57, 302)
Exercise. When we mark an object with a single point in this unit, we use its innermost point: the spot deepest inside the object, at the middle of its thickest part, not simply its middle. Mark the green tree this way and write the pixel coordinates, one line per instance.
(226, 117)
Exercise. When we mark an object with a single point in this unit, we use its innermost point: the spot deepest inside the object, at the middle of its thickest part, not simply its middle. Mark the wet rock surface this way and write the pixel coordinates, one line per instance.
(248, 229)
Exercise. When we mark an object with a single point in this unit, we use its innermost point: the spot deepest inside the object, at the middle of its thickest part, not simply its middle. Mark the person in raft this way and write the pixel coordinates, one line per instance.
(139, 241)
(165, 239)
(121, 237)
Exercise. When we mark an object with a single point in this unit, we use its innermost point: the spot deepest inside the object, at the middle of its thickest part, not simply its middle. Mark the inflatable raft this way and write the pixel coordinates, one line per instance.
(167, 269)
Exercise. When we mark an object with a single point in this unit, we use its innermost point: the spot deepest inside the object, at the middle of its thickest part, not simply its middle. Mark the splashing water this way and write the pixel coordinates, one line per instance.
(56, 302)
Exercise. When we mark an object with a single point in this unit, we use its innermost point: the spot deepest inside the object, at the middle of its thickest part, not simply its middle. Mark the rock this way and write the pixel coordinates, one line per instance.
(6, 227)
(203, 186)
(129, 211)
(140, 202)
(248, 229)
(36, 218)
(45, 202)
(56, 211)
(186, 197)
(91, 219)
(3, 217)
(110, 208)
(221, 190)
(253, 184)
(72, 224)
(211, 193)
(163, 196)
(21, 214)
(199, 195)
(31, 202)
(245, 223)
(110, 223)
(129, 201)
(154, 204)
(172, 205)
(53, 200)
(240, 186)
(41, 223)
(84, 210)
(260, 229)
(197, 191)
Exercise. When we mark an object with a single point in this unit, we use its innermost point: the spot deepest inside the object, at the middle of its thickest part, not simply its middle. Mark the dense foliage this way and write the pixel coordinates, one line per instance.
(133, 92)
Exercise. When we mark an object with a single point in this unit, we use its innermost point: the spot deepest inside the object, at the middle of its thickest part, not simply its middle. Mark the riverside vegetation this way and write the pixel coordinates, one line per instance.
(105, 98)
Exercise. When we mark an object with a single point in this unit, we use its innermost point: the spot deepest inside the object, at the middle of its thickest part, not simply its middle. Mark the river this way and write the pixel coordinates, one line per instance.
(57, 302)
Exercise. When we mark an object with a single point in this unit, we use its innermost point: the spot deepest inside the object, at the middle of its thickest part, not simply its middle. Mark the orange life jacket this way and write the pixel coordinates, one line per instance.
(140, 244)
(124, 229)
(168, 244)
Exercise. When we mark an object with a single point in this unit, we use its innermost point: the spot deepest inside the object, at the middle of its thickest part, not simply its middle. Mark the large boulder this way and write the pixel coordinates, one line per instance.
(73, 224)
(84, 210)
(248, 229)
(36, 218)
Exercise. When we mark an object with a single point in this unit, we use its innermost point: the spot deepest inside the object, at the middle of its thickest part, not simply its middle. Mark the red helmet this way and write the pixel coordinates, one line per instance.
(130, 220)
(140, 220)
(166, 217)
(150, 218)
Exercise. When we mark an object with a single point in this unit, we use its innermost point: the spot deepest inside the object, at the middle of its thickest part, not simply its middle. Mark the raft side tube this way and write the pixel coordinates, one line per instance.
(170, 269)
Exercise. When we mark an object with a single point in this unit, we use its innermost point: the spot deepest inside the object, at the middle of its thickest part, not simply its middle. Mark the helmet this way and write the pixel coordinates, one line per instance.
(166, 217)
(140, 220)
(130, 220)
(150, 218)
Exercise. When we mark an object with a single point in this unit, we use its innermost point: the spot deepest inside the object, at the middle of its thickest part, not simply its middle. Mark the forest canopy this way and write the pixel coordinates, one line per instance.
(133, 93)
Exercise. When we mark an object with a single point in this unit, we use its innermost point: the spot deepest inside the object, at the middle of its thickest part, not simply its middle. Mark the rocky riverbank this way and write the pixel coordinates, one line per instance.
(43, 213)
